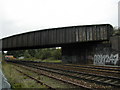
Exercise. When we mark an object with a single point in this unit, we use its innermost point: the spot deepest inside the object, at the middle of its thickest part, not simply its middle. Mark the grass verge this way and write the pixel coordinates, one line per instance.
(18, 80)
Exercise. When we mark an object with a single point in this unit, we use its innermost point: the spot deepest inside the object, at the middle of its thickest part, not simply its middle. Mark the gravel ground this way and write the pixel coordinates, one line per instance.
(80, 82)
(52, 82)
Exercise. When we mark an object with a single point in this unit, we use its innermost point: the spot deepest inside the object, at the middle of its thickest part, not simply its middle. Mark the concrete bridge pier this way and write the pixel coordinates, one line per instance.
(78, 54)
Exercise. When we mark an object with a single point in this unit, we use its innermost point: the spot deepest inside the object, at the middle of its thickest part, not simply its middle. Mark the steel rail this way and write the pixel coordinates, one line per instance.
(93, 69)
(48, 69)
(39, 81)
(60, 79)
(80, 72)
(102, 76)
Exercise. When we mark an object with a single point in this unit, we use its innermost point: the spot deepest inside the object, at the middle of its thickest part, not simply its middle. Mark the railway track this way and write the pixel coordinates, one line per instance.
(54, 76)
(100, 79)
(113, 68)
(95, 70)
(110, 81)
(33, 78)
(117, 68)
(91, 67)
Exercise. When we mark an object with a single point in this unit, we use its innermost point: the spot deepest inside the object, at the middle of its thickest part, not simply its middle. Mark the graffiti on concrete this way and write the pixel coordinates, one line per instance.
(106, 59)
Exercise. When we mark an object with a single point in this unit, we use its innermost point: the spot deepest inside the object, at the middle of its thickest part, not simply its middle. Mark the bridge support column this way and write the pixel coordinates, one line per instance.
(78, 54)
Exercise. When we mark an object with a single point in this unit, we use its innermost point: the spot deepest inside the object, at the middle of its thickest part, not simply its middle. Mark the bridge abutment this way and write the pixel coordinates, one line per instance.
(101, 53)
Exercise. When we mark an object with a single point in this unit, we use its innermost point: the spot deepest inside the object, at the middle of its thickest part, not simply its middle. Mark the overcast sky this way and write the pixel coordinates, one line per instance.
(18, 16)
